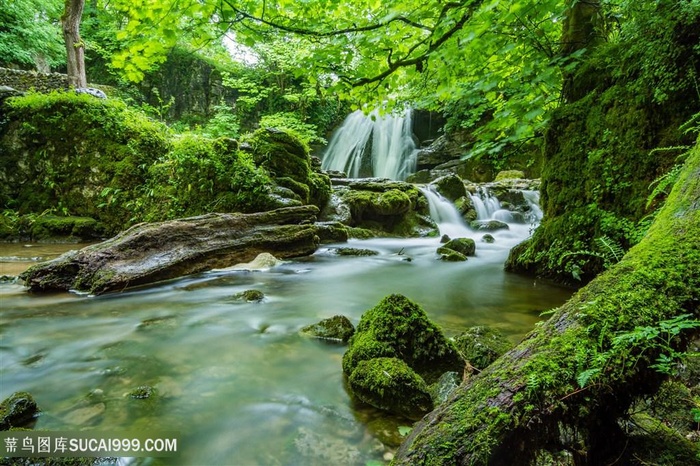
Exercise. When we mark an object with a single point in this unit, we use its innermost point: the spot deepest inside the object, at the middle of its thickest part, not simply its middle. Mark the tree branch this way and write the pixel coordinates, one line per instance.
(335, 32)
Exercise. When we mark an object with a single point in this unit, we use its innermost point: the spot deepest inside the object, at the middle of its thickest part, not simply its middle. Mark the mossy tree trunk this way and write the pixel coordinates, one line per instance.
(564, 387)
(75, 49)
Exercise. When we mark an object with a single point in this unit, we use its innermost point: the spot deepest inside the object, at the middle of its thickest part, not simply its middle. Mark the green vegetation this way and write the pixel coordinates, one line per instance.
(85, 167)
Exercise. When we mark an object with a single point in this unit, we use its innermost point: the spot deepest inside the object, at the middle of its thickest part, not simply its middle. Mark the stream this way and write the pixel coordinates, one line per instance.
(235, 380)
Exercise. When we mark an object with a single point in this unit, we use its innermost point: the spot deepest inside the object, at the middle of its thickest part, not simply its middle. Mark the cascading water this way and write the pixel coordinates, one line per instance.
(445, 215)
(485, 204)
(392, 150)
(488, 207)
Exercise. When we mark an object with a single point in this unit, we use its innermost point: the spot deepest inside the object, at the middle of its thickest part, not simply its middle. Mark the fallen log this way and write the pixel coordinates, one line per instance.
(563, 389)
(151, 252)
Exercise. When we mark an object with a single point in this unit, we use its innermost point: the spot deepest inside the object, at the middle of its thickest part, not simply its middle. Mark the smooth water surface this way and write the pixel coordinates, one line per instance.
(234, 378)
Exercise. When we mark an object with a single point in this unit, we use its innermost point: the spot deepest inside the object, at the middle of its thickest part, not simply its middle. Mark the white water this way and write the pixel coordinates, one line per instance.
(446, 216)
(485, 204)
(488, 207)
(393, 150)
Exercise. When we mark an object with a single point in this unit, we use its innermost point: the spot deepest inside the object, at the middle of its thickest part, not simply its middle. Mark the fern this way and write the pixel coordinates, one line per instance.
(612, 251)
(664, 183)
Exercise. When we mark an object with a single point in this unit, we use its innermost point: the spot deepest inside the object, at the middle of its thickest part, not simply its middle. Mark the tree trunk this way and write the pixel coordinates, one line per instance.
(564, 387)
(150, 252)
(75, 49)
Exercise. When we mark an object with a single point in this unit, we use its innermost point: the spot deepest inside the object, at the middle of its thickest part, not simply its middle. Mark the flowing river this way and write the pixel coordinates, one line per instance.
(235, 380)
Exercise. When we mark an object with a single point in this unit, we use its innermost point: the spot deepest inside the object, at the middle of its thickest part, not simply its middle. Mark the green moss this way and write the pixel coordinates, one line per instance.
(397, 327)
(201, 175)
(599, 164)
(17, 410)
(510, 175)
(336, 328)
(481, 346)
(465, 246)
(46, 227)
(77, 154)
(391, 385)
(449, 255)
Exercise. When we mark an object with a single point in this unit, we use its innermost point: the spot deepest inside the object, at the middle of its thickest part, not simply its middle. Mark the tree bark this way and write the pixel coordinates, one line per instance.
(75, 49)
(531, 399)
(150, 252)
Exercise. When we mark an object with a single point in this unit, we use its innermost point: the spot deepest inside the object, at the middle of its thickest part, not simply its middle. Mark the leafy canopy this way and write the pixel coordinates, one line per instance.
(30, 33)
(494, 62)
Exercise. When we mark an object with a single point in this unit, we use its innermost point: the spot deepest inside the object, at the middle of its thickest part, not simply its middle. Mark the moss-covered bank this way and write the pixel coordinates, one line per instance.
(628, 98)
(67, 154)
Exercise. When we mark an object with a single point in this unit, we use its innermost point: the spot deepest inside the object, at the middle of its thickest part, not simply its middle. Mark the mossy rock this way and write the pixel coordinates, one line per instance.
(143, 392)
(355, 252)
(465, 246)
(48, 227)
(481, 345)
(17, 410)
(90, 156)
(336, 328)
(250, 296)
(281, 154)
(450, 255)
(465, 206)
(488, 238)
(391, 385)
(332, 232)
(488, 225)
(398, 327)
(286, 158)
(510, 175)
(371, 205)
(451, 187)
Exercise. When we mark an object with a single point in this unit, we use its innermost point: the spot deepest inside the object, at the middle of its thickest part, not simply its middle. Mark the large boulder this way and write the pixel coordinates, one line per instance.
(398, 327)
(147, 253)
(386, 207)
(286, 158)
(396, 337)
(451, 187)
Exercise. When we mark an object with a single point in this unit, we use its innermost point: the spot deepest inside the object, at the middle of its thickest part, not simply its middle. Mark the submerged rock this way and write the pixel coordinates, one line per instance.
(17, 410)
(489, 225)
(355, 252)
(464, 246)
(143, 392)
(250, 296)
(336, 328)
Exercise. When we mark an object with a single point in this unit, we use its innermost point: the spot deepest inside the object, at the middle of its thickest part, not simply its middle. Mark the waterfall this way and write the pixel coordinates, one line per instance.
(445, 215)
(392, 150)
(485, 204)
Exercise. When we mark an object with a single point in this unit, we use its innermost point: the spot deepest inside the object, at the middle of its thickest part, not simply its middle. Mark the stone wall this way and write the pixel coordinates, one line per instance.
(22, 80)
